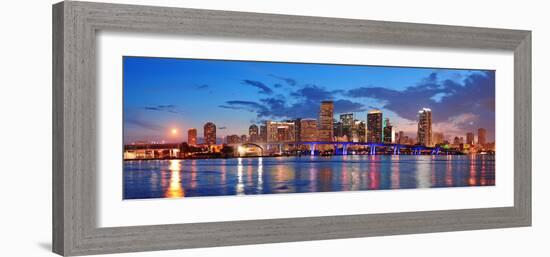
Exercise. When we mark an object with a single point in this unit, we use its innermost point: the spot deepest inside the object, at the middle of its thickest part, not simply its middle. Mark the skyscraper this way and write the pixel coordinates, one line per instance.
(438, 138)
(425, 127)
(347, 125)
(253, 133)
(470, 138)
(481, 136)
(210, 133)
(388, 132)
(338, 130)
(308, 130)
(280, 131)
(361, 131)
(326, 116)
(263, 133)
(192, 136)
(401, 138)
(298, 129)
(374, 126)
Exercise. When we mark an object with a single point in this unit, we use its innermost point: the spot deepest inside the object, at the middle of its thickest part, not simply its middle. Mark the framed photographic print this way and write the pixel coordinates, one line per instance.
(183, 128)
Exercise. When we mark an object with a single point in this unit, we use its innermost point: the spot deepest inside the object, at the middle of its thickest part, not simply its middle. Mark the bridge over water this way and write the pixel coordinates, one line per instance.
(341, 148)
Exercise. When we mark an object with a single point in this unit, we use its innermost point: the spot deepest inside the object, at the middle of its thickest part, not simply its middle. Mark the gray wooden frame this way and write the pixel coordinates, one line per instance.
(75, 25)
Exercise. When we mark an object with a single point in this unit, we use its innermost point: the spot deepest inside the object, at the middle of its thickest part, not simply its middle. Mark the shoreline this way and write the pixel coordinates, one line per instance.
(272, 156)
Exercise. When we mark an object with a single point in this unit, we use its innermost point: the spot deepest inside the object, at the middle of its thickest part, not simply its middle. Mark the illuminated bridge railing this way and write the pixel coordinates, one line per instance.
(372, 147)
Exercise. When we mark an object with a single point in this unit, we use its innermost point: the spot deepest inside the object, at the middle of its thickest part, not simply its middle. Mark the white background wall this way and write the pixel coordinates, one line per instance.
(25, 125)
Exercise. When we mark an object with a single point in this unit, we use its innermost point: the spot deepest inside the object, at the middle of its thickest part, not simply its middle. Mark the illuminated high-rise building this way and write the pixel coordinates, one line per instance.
(401, 137)
(192, 136)
(481, 136)
(326, 116)
(470, 138)
(232, 139)
(297, 129)
(438, 138)
(338, 130)
(263, 133)
(308, 130)
(389, 135)
(253, 133)
(347, 125)
(360, 130)
(374, 126)
(425, 127)
(280, 131)
(209, 133)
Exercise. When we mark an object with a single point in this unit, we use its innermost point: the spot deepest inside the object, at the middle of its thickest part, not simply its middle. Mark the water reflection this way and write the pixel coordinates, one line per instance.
(244, 176)
(174, 189)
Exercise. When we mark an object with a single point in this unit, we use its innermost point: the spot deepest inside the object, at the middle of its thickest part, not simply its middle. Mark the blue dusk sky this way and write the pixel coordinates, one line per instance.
(163, 94)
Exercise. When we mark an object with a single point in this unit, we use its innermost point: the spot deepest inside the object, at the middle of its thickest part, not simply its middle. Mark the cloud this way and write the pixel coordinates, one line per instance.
(448, 99)
(342, 106)
(243, 105)
(203, 86)
(289, 81)
(263, 88)
(145, 124)
(222, 127)
(163, 108)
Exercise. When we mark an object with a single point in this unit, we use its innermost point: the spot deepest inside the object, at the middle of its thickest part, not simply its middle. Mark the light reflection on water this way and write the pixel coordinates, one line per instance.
(246, 176)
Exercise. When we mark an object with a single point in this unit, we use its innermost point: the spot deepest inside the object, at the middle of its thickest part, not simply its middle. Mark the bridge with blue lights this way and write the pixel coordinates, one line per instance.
(341, 148)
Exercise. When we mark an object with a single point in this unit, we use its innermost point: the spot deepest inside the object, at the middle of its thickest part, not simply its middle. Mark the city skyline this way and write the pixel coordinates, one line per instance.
(154, 113)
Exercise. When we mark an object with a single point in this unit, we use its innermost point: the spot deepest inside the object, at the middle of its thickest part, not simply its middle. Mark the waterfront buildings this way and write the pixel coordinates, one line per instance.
(389, 135)
(360, 130)
(254, 133)
(374, 126)
(481, 136)
(470, 138)
(192, 136)
(425, 127)
(308, 130)
(280, 131)
(263, 133)
(438, 138)
(326, 115)
(209, 133)
(232, 139)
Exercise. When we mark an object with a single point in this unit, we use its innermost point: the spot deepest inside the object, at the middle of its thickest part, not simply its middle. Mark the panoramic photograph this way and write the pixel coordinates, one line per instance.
(198, 127)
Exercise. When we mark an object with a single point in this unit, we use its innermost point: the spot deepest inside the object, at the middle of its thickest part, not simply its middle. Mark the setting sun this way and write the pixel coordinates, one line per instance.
(174, 131)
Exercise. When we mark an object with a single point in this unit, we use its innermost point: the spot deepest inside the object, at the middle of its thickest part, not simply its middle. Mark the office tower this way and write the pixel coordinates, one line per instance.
(209, 133)
(438, 138)
(347, 125)
(361, 131)
(326, 116)
(425, 127)
(280, 131)
(263, 133)
(388, 132)
(192, 136)
(401, 137)
(374, 126)
(338, 130)
(308, 130)
(244, 139)
(297, 129)
(232, 139)
(470, 138)
(253, 133)
(481, 136)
